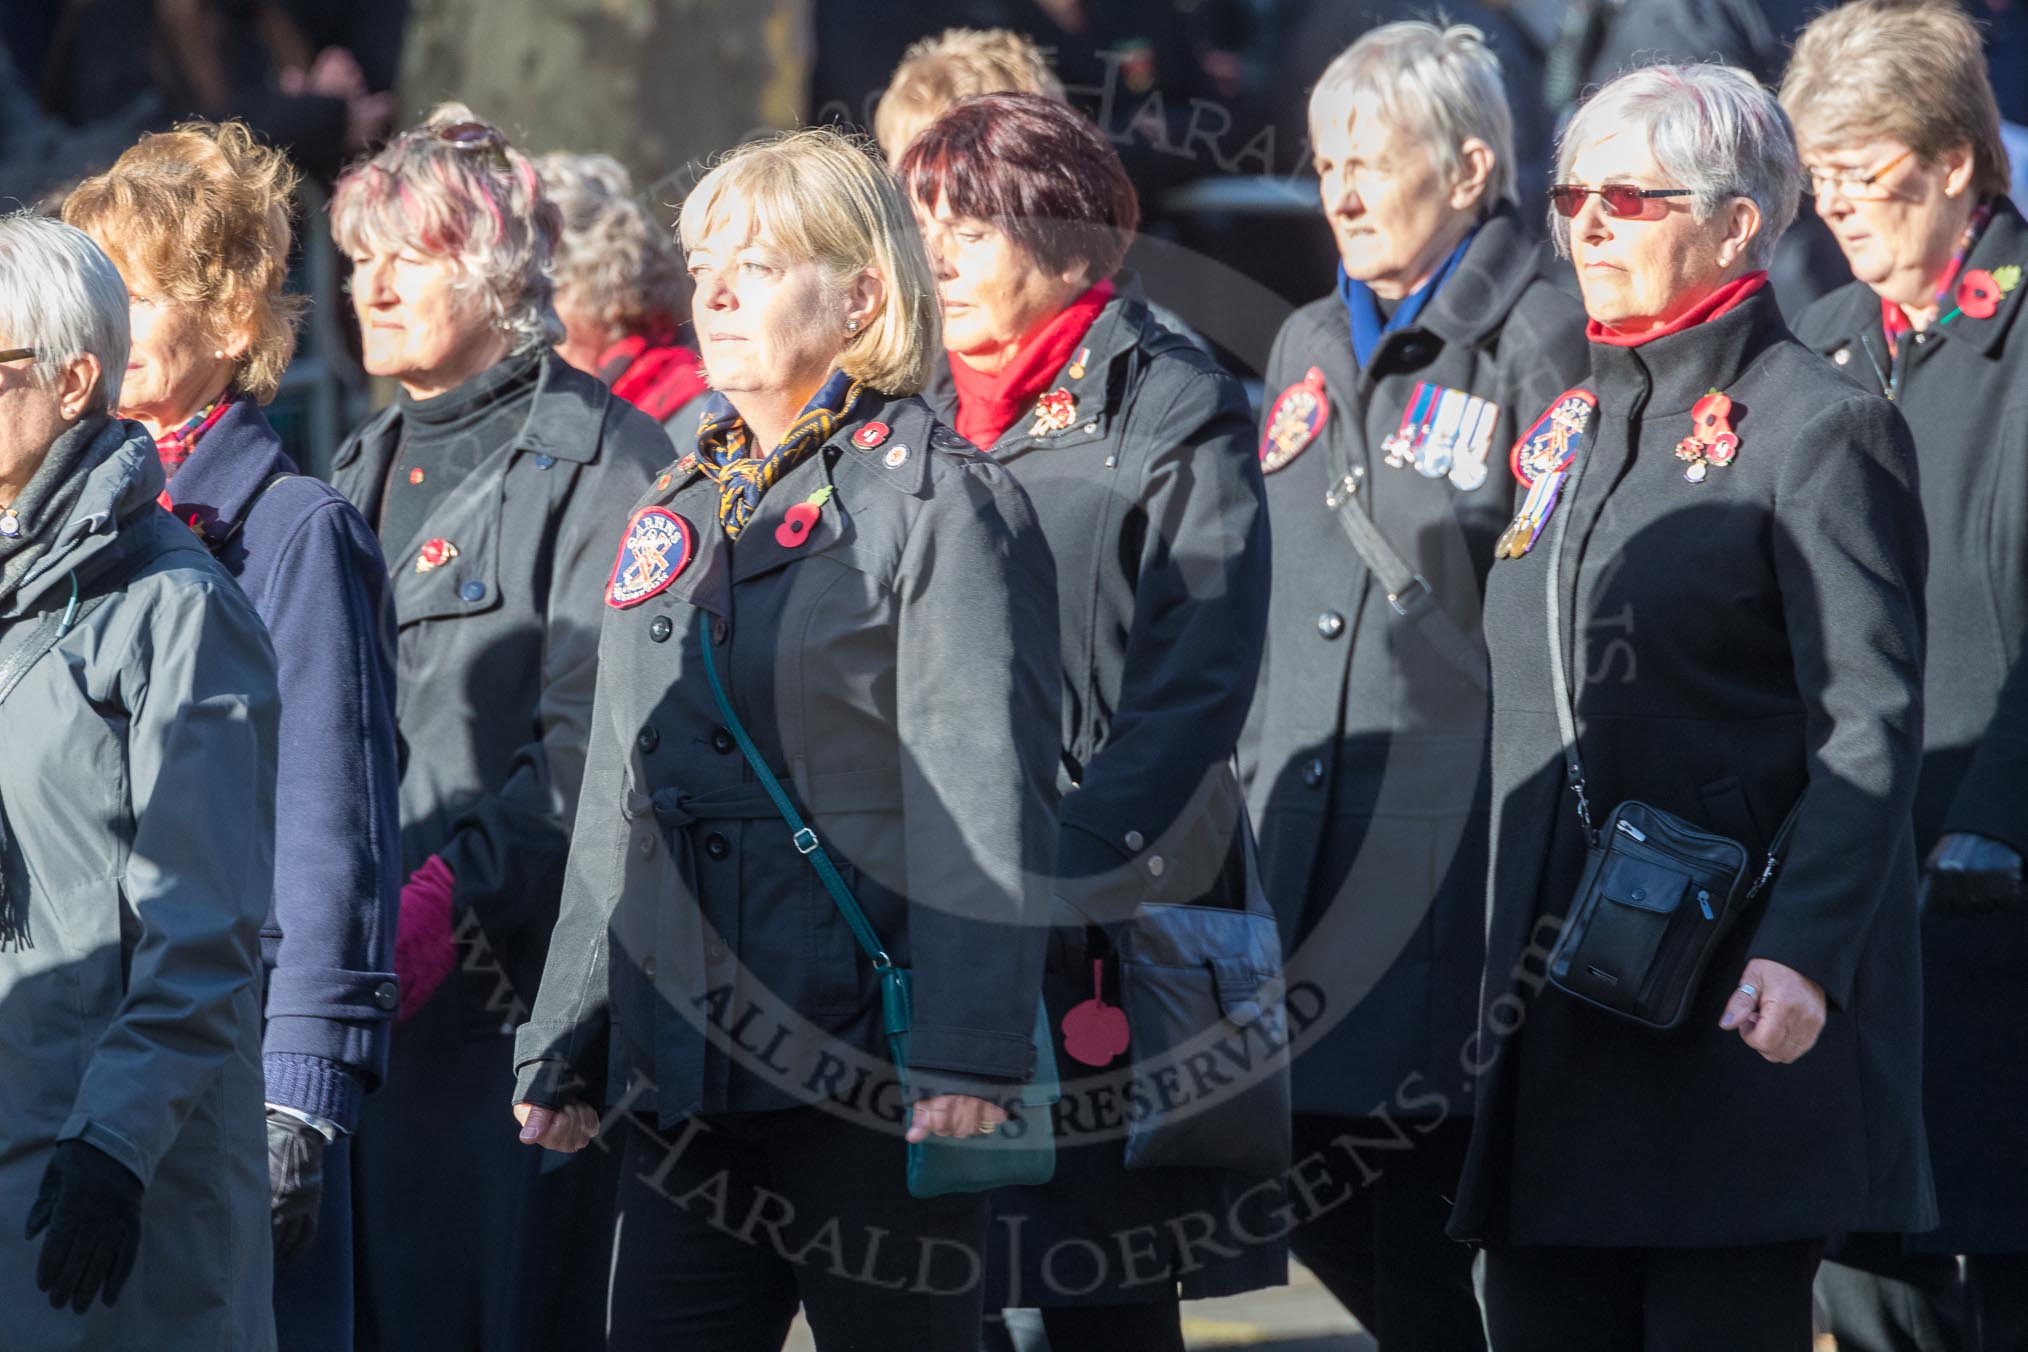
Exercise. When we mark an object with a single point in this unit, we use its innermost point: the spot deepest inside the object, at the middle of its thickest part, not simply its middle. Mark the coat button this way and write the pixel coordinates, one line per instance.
(1313, 772)
(387, 995)
(721, 741)
(1330, 624)
(1155, 866)
(473, 591)
(648, 968)
(1134, 840)
(544, 461)
(659, 629)
(714, 951)
(1843, 356)
(720, 631)
(648, 740)
(646, 844)
(717, 846)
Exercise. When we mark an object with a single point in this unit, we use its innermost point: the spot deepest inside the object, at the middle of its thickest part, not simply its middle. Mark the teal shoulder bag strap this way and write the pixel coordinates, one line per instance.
(1023, 1150)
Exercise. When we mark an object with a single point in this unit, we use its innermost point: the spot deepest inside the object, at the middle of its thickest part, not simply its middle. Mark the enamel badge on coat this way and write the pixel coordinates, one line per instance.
(1293, 421)
(657, 547)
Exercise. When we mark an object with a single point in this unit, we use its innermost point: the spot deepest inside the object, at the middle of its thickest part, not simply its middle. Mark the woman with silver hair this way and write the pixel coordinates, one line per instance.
(1392, 401)
(1915, 190)
(493, 481)
(620, 292)
(136, 856)
(1702, 1020)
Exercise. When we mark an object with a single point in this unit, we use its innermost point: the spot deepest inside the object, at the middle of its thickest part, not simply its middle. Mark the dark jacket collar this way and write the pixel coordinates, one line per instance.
(1124, 324)
(1853, 311)
(226, 471)
(564, 418)
(1497, 267)
(1671, 373)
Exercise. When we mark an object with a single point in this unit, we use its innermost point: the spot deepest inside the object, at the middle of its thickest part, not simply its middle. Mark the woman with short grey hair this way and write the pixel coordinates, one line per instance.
(1700, 1043)
(136, 855)
(621, 292)
(493, 480)
(1407, 381)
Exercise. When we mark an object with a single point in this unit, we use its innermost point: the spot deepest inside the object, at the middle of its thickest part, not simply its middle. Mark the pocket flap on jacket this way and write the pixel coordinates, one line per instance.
(1643, 884)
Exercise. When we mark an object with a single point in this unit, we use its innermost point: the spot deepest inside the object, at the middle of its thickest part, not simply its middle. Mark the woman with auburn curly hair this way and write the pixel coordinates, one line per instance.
(197, 221)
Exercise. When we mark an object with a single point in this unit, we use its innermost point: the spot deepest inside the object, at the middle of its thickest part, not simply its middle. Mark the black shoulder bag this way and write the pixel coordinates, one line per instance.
(1023, 1149)
(1657, 894)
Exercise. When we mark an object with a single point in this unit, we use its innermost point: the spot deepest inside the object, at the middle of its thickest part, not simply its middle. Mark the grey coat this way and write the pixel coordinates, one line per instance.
(139, 784)
(1365, 749)
(897, 670)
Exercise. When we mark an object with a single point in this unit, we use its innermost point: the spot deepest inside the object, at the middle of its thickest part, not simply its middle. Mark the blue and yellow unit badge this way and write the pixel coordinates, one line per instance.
(1298, 414)
(657, 547)
(1541, 460)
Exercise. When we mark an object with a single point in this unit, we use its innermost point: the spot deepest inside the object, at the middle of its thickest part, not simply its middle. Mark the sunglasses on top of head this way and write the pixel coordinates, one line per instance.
(1619, 199)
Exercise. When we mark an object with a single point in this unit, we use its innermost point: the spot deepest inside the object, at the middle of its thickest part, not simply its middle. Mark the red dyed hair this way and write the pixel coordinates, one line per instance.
(1035, 168)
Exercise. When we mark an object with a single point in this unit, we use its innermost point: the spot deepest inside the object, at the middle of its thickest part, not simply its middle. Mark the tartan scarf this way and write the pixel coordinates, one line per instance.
(722, 444)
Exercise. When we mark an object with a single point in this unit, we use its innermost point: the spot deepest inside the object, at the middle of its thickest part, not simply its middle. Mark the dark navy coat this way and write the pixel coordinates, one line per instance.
(310, 565)
(1364, 750)
(1965, 395)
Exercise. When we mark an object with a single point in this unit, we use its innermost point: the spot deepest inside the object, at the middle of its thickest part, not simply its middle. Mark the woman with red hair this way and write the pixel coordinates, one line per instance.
(1137, 451)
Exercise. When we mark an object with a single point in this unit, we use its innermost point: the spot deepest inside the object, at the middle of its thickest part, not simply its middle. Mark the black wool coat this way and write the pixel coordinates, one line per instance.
(1964, 392)
(1735, 645)
(1150, 500)
(1364, 751)
(496, 662)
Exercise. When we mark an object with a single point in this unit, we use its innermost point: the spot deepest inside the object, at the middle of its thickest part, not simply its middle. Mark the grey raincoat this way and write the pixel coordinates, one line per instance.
(138, 781)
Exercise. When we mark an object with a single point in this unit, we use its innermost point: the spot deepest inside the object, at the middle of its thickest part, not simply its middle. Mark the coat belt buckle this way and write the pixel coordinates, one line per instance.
(1342, 494)
(1411, 598)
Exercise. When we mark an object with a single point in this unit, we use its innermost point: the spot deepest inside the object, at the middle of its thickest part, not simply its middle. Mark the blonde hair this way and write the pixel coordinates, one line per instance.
(1910, 70)
(615, 262)
(822, 197)
(202, 215)
(454, 188)
(956, 64)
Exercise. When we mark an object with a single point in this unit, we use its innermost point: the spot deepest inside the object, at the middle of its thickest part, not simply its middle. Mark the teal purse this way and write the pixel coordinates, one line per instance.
(1023, 1150)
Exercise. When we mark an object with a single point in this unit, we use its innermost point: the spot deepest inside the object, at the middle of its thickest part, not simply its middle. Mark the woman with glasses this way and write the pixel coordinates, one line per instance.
(1364, 752)
(1915, 191)
(494, 481)
(1709, 605)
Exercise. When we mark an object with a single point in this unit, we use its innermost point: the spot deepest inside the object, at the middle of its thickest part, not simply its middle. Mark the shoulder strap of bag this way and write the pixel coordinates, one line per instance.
(53, 626)
(1566, 709)
(222, 541)
(805, 839)
(1408, 591)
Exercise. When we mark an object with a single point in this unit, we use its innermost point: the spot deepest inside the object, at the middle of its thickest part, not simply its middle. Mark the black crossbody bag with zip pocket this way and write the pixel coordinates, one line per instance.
(1657, 893)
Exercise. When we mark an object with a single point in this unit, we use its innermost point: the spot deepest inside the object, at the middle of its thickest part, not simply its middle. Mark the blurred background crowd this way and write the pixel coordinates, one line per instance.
(1204, 99)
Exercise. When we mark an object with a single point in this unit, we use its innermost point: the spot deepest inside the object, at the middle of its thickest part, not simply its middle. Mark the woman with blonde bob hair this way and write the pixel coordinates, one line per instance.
(197, 221)
(875, 605)
(493, 480)
(1915, 191)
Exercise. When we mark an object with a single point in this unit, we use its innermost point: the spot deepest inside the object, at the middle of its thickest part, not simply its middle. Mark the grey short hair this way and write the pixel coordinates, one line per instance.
(477, 201)
(615, 262)
(1713, 129)
(62, 296)
(1439, 85)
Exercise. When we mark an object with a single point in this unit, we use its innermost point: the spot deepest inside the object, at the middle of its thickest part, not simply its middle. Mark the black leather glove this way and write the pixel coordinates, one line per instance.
(1971, 875)
(295, 1182)
(91, 1205)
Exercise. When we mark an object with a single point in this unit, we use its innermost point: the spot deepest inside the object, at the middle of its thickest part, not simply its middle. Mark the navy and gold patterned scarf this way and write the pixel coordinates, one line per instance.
(722, 444)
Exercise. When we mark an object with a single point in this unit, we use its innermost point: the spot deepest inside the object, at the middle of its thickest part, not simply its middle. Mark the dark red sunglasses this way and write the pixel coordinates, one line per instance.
(1620, 199)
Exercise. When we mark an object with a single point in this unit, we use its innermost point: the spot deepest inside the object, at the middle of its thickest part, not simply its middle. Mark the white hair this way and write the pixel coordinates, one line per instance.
(62, 296)
(1439, 86)
(1713, 129)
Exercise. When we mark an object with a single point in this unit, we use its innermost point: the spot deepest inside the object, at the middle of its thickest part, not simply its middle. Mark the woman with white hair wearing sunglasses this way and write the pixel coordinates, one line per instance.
(1702, 1009)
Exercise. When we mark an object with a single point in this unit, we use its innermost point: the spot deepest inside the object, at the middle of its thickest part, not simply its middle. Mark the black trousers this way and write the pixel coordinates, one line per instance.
(1374, 1235)
(1754, 1298)
(726, 1226)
